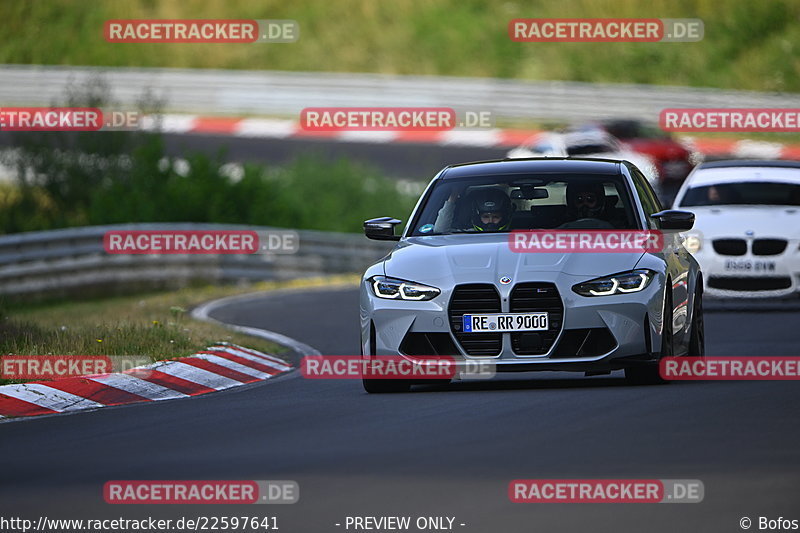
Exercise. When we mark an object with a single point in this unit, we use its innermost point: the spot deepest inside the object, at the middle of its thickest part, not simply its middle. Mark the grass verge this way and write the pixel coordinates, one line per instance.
(155, 325)
(747, 45)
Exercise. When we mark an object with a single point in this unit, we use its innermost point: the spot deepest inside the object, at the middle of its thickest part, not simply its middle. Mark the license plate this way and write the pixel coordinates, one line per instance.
(501, 322)
(748, 265)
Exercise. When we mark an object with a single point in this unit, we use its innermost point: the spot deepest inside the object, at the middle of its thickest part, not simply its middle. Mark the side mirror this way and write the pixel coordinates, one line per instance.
(671, 219)
(381, 229)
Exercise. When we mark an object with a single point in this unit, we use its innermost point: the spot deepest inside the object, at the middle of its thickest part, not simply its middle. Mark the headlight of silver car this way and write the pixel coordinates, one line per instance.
(626, 282)
(398, 289)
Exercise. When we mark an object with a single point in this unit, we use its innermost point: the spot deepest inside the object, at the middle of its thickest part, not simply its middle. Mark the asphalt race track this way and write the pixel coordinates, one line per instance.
(447, 451)
(414, 161)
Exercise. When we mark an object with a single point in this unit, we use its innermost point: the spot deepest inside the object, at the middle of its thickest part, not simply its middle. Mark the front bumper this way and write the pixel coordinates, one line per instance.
(749, 275)
(595, 334)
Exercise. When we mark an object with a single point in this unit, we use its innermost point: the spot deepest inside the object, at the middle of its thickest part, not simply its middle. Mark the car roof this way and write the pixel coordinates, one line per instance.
(539, 165)
(745, 170)
(587, 136)
(778, 163)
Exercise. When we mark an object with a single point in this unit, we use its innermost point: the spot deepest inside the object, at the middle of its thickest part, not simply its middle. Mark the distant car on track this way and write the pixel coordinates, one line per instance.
(673, 161)
(747, 230)
(591, 142)
(453, 286)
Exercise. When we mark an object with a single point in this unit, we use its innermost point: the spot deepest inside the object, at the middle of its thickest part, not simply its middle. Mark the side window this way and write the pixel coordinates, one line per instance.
(649, 199)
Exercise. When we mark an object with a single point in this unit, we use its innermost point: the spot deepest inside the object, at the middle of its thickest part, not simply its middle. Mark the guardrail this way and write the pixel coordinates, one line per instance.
(244, 92)
(73, 260)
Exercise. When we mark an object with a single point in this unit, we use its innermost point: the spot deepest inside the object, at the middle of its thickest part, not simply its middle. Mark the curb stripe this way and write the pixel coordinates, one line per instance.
(228, 362)
(264, 127)
(16, 407)
(174, 384)
(217, 124)
(484, 138)
(238, 350)
(256, 359)
(501, 138)
(367, 136)
(140, 387)
(249, 361)
(221, 370)
(97, 392)
(49, 398)
(196, 375)
(203, 372)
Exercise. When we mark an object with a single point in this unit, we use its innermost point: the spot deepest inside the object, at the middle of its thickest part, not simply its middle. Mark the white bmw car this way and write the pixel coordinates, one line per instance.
(747, 226)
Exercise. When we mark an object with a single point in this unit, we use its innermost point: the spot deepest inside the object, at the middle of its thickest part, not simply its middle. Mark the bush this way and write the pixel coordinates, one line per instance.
(96, 178)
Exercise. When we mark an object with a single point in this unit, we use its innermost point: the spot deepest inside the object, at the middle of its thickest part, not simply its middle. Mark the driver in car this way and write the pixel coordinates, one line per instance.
(490, 210)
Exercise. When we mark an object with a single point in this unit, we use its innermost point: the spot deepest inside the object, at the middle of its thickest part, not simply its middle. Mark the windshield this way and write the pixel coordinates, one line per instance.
(743, 193)
(525, 202)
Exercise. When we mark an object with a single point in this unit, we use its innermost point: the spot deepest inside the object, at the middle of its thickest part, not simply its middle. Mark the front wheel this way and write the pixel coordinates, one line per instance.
(649, 374)
(697, 338)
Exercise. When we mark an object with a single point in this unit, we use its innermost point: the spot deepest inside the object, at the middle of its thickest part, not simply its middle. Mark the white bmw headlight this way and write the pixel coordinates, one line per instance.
(633, 281)
(398, 289)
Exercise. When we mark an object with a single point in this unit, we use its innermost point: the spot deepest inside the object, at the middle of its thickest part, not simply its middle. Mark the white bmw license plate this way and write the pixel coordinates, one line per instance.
(747, 265)
(500, 322)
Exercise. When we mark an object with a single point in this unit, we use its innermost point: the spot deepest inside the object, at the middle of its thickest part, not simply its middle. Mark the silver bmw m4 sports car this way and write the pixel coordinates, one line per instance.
(455, 286)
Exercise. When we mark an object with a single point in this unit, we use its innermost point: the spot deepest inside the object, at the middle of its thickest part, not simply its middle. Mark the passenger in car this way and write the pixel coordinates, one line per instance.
(586, 207)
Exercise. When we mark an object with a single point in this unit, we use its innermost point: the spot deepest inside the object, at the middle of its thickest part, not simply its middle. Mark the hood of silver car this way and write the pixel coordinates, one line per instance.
(487, 258)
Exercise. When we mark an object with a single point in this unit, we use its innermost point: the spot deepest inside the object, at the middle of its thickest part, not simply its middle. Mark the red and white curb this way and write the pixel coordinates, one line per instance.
(487, 138)
(217, 368)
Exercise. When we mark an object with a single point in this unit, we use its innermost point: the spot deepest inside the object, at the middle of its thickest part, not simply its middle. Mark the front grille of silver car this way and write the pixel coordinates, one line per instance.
(475, 298)
(536, 296)
(730, 246)
(769, 246)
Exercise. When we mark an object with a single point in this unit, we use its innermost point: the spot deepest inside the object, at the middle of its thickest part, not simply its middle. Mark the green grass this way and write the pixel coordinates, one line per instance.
(747, 45)
(153, 325)
(309, 192)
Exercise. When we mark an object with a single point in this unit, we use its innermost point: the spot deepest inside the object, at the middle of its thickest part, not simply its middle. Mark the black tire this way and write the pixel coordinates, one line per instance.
(649, 374)
(697, 339)
(381, 386)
